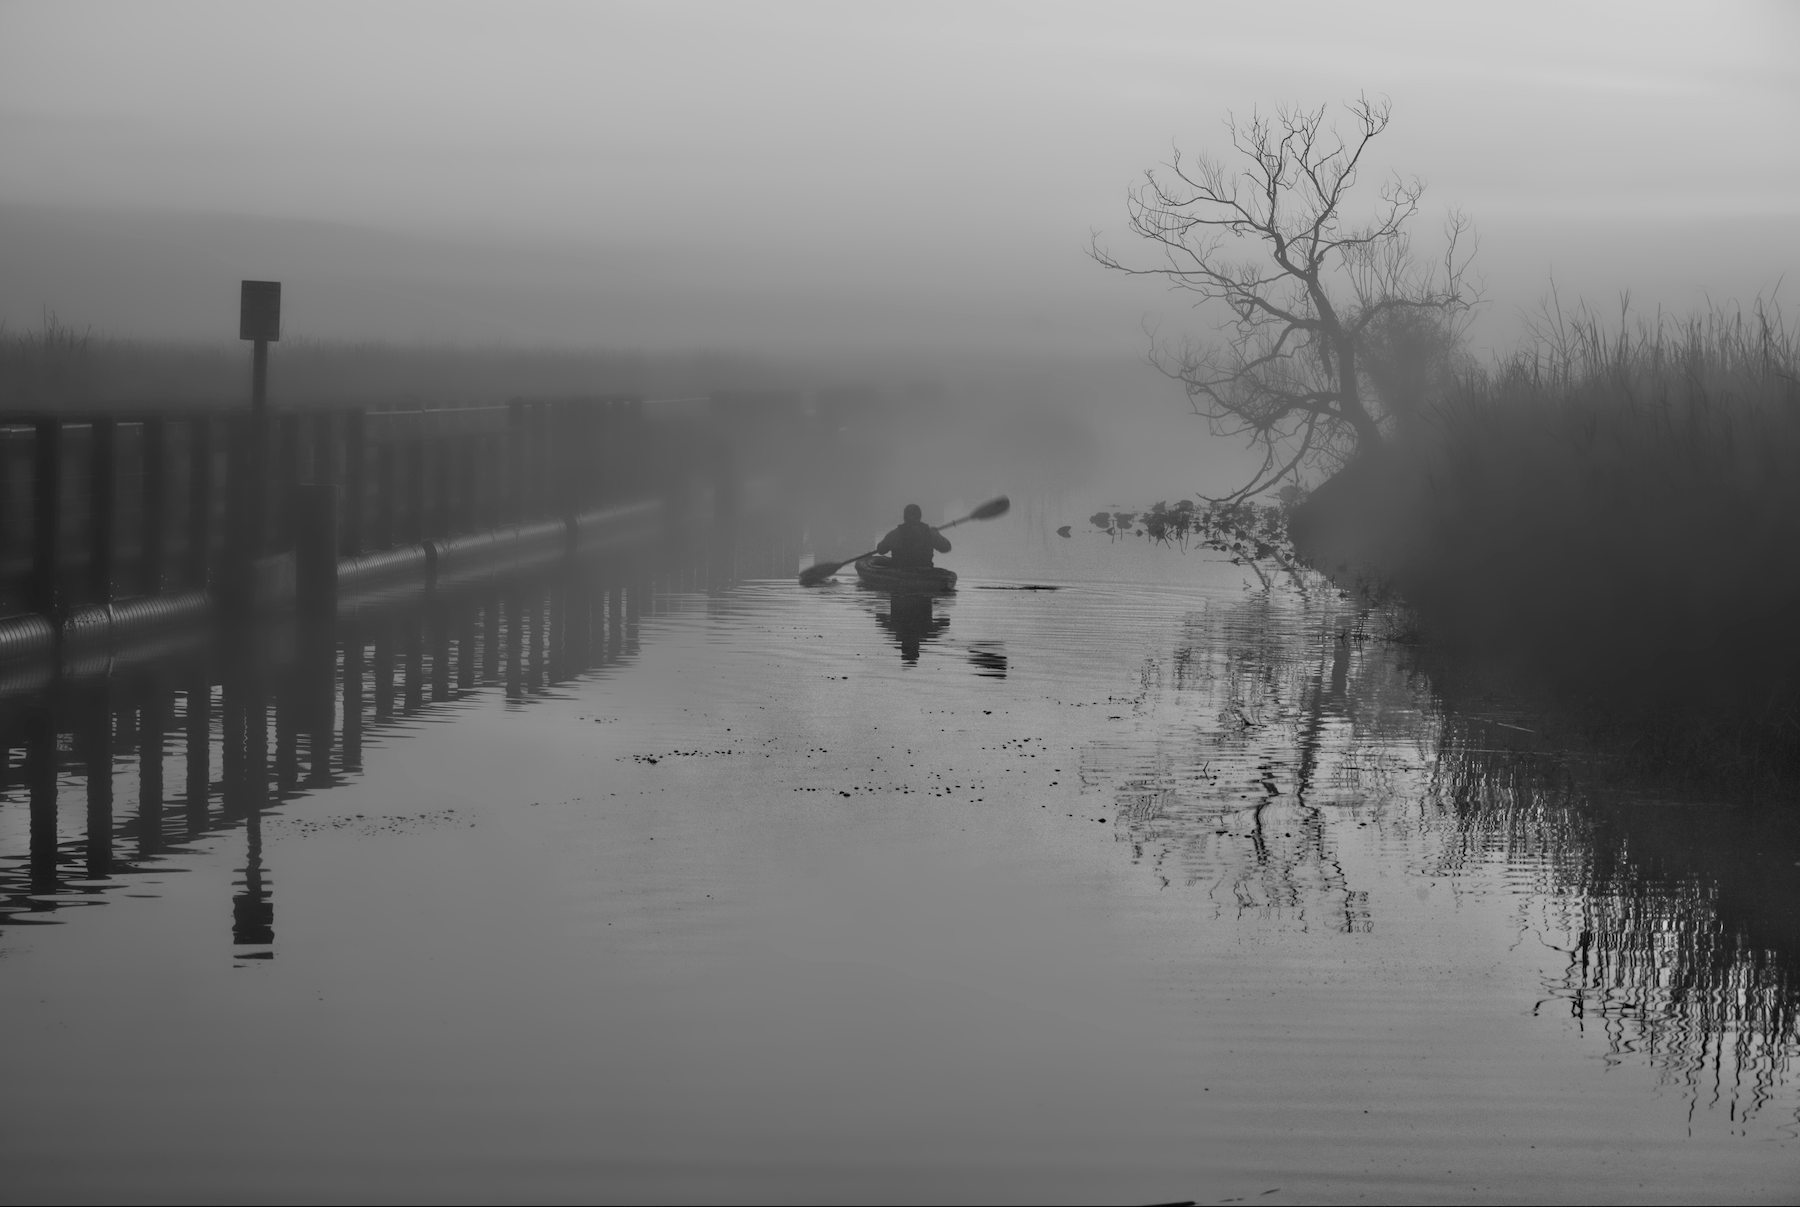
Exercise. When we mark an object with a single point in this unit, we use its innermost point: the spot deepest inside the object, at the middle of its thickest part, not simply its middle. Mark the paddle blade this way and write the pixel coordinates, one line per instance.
(992, 508)
(818, 572)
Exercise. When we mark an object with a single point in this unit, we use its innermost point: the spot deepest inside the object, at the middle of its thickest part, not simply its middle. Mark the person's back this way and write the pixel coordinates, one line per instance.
(912, 544)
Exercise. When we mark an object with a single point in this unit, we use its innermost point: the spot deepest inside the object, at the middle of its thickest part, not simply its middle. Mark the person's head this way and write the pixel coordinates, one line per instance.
(912, 514)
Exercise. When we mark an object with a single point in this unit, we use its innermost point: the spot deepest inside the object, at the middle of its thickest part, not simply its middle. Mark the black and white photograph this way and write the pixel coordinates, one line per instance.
(787, 601)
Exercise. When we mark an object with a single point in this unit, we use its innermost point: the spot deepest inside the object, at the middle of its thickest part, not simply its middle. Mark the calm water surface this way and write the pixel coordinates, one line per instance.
(1150, 887)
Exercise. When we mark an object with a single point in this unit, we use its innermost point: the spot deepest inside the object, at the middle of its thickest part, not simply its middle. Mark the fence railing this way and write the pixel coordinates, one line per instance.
(220, 510)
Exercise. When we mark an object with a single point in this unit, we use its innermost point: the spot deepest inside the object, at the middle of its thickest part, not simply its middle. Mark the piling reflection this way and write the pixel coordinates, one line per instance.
(1279, 735)
(1262, 756)
(243, 722)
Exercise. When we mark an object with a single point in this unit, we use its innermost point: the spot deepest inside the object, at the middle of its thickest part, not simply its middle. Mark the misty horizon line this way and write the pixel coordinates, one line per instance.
(161, 275)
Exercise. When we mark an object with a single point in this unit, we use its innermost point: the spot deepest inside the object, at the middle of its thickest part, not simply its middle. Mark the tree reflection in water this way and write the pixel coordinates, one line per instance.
(1277, 729)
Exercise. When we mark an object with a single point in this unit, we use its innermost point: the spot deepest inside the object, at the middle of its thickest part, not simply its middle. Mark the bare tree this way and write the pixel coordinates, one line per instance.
(1314, 300)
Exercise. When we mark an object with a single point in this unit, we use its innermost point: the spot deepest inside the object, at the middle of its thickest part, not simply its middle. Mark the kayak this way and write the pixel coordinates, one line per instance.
(879, 572)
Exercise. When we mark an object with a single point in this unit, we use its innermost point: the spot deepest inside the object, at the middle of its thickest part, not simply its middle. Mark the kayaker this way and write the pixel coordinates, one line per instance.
(911, 544)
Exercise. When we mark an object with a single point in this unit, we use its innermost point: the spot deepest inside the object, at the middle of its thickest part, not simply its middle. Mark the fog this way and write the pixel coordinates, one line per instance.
(692, 669)
(814, 178)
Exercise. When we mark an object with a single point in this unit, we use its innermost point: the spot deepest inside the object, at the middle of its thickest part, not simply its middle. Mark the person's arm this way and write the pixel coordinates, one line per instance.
(887, 544)
(939, 541)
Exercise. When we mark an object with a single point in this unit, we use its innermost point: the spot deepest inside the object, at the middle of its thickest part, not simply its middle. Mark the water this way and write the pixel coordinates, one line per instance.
(1149, 887)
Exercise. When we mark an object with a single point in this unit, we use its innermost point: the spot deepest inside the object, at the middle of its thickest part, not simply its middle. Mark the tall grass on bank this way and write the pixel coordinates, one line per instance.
(1619, 506)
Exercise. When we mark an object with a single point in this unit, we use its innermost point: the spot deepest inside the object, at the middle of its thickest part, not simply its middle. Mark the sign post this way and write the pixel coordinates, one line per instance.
(259, 319)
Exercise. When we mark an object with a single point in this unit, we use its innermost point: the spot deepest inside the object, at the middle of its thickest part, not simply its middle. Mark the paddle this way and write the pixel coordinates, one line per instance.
(818, 572)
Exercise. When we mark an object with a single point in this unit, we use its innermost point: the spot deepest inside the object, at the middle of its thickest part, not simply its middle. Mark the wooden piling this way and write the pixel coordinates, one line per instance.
(516, 467)
(415, 490)
(287, 476)
(469, 501)
(538, 420)
(354, 489)
(199, 518)
(443, 492)
(259, 377)
(385, 531)
(102, 508)
(150, 540)
(315, 551)
(46, 515)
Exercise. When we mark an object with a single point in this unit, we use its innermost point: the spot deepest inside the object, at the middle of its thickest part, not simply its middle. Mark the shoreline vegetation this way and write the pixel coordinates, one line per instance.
(1606, 518)
(1613, 512)
(1605, 522)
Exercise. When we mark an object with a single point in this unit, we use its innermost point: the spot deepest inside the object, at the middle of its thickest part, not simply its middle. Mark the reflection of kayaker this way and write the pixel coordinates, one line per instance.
(910, 621)
(911, 545)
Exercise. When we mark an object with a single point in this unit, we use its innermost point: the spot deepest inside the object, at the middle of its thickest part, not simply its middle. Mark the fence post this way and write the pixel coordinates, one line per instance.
(415, 490)
(442, 521)
(636, 450)
(474, 502)
(384, 494)
(287, 476)
(315, 550)
(540, 448)
(596, 453)
(353, 482)
(150, 546)
(104, 463)
(324, 452)
(199, 499)
(560, 444)
(514, 453)
(241, 495)
(45, 514)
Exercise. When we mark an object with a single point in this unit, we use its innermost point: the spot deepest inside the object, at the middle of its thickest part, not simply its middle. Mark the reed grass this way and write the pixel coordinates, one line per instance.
(1616, 506)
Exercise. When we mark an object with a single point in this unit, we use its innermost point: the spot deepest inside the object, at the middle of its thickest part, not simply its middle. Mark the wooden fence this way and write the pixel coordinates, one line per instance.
(131, 520)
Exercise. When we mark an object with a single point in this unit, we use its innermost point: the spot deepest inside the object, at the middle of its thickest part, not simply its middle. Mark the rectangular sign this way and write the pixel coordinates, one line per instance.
(259, 311)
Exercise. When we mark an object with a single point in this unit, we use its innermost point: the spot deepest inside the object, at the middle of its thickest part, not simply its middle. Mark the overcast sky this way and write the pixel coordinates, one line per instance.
(671, 175)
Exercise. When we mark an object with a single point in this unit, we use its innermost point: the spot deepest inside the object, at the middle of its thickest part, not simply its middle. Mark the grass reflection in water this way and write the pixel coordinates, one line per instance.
(1277, 728)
